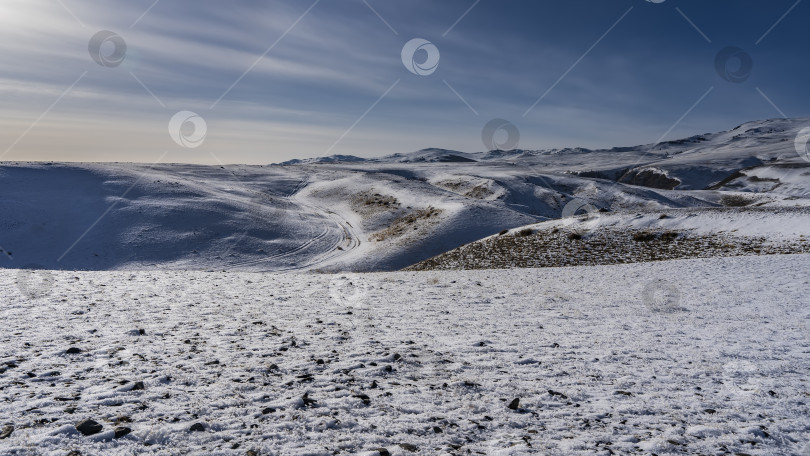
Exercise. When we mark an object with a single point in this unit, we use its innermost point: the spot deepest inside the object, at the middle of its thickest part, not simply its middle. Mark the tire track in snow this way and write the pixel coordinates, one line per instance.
(348, 241)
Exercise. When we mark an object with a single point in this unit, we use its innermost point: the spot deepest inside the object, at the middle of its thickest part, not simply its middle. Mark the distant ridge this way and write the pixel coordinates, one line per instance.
(329, 159)
(754, 131)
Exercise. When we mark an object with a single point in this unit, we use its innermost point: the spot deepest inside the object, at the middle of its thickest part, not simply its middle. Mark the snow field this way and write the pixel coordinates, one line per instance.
(696, 356)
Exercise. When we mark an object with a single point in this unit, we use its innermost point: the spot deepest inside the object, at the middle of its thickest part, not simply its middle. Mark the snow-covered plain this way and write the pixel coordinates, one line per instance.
(681, 357)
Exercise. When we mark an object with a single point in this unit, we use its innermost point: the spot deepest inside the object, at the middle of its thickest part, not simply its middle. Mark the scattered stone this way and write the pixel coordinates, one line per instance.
(88, 427)
(557, 393)
(74, 453)
(382, 451)
(409, 447)
(363, 397)
(31, 375)
(251, 453)
(623, 393)
(307, 401)
(137, 386)
(121, 431)
(6, 432)
(73, 351)
(196, 427)
(514, 404)
(437, 429)
(268, 410)
(710, 411)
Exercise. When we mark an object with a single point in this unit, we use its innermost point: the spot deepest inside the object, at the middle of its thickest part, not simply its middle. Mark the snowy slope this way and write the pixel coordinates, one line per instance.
(682, 357)
(344, 213)
(599, 238)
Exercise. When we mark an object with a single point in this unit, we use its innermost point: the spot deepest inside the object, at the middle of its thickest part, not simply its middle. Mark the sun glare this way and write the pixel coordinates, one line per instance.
(15, 11)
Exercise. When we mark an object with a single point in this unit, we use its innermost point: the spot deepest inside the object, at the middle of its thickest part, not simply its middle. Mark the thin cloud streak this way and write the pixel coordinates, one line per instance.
(300, 96)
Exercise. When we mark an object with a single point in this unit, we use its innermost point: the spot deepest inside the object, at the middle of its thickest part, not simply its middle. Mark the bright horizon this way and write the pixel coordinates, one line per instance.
(370, 78)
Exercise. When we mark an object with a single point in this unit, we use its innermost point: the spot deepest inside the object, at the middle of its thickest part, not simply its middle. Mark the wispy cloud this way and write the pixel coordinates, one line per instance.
(334, 61)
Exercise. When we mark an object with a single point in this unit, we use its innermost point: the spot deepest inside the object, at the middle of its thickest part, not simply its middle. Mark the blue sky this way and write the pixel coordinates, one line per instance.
(313, 78)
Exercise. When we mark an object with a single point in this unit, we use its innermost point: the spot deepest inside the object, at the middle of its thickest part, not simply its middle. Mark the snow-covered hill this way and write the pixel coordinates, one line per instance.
(598, 238)
(698, 162)
(345, 213)
(682, 357)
